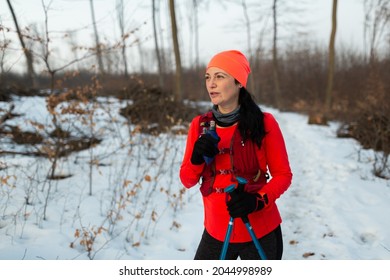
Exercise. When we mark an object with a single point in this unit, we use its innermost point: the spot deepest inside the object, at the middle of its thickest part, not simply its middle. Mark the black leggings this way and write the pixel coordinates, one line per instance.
(210, 248)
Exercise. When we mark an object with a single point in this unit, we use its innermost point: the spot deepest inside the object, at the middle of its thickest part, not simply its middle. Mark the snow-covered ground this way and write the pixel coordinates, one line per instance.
(335, 209)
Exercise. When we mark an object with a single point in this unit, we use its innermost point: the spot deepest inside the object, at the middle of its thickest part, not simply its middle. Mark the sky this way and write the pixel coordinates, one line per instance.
(221, 25)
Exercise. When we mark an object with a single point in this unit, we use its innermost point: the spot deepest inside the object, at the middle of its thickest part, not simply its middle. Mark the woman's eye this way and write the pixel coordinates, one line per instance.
(220, 77)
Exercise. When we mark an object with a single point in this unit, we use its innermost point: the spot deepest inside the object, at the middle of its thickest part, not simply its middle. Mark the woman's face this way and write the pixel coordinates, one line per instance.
(222, 89)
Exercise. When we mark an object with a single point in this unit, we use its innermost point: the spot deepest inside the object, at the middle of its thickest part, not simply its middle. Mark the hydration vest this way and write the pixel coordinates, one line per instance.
(243, 161)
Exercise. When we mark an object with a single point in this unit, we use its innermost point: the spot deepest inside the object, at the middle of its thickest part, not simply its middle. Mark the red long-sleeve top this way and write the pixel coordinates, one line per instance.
(272, 156)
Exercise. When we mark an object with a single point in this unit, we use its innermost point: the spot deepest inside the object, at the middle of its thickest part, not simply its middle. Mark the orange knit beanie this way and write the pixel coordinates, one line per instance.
(234, 63)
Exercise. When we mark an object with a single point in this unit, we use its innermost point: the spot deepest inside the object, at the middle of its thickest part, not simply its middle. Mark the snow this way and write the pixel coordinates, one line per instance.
(335, 209)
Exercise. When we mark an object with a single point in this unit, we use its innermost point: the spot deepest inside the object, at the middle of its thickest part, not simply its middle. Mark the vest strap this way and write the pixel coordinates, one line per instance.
(225, 151)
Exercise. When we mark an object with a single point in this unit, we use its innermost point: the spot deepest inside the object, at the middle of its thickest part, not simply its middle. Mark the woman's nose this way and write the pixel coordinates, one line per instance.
(211, 83)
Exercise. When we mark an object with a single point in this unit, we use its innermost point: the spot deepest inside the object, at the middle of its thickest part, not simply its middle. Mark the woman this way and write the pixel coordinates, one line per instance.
(249, 144)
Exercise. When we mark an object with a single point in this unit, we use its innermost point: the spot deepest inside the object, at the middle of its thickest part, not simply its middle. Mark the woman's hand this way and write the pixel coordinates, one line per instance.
(206, 145)
(243, 203)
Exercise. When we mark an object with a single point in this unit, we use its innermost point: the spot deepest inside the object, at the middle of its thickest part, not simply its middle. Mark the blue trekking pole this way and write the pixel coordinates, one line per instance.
(231, 190)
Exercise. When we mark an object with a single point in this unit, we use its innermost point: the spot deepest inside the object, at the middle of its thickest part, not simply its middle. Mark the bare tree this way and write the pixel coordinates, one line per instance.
(275, 64)
(56, 146)
(156, 46)
(27, 52)
(376, 24)
(46, 54)
(121, 20)
(195, 4)
(97, 41)
(3, 47)
(331, 62)
(178, 78)
(249, 41)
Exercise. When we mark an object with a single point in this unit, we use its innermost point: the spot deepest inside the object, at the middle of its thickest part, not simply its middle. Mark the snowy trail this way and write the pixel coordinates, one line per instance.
(333, 208)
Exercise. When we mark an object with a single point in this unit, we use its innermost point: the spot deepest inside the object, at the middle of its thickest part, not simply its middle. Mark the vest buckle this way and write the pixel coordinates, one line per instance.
(219, 190)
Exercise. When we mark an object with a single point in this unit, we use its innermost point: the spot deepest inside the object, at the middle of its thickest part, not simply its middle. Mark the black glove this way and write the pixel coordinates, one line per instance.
(243, 203)
(206, 145)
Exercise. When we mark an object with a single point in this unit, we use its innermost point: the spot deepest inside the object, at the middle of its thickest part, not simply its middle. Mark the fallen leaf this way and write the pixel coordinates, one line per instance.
(308, 254)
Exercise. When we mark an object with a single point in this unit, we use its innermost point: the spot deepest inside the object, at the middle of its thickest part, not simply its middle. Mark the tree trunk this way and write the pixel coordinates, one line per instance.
(121, 20)
(156, 46)
(275, 64)
(27, 52)
(178, 83)
(249, 43)
(97, 42)
(196, 31)
(331, 60)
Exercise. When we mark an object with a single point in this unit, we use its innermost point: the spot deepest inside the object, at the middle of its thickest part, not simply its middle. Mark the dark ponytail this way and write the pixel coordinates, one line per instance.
(251, 124)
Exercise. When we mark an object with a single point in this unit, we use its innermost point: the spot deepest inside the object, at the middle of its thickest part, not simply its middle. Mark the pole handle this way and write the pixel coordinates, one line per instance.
(232, 190)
